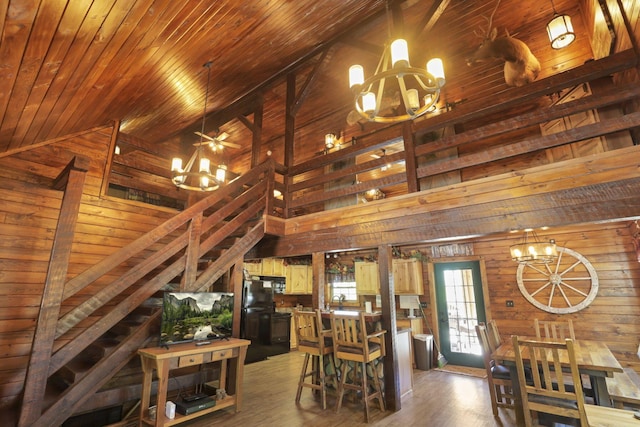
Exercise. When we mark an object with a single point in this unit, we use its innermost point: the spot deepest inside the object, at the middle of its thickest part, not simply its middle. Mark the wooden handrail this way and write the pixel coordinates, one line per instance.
(218, 216)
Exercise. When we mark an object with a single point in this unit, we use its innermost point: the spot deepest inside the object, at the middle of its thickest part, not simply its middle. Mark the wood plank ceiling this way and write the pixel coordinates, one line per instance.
(68, 66)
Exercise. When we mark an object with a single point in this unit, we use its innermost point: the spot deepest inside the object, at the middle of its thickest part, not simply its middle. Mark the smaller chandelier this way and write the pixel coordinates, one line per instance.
(203, 179)
(560, 30)
(534, 251)
(330, 141)
(418, 88)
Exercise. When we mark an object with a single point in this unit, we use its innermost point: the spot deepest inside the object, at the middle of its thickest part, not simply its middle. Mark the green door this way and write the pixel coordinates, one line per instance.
(460, 306)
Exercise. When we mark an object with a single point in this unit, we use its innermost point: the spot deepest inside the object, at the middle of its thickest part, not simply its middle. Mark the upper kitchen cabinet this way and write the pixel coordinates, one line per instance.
(253, 268)
(367, 279)
(407, 277)
(273, 267)
(299, 279)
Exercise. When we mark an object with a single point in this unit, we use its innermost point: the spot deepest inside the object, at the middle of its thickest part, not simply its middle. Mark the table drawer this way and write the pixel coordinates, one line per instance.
(224, 354)
(194, 359)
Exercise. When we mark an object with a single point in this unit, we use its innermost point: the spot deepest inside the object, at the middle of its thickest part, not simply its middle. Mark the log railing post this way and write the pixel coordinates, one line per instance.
(72, 181)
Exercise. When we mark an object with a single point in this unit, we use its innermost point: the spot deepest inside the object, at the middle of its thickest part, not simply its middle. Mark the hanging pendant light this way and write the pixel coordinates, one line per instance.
(533, 251)
(560, 30)
(395, 72)
(203, 179)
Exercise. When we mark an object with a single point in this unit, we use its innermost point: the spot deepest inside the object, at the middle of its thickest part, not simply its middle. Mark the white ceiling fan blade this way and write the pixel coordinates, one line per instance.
(230, 144)
(218, 139)
(205, 136)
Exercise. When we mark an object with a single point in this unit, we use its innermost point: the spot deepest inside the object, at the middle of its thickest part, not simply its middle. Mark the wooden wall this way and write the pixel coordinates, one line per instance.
(614, 316)
(28, 216)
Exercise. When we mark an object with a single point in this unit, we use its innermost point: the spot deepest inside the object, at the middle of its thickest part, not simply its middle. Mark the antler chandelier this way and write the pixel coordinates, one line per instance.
(418, 88)
(203, 179)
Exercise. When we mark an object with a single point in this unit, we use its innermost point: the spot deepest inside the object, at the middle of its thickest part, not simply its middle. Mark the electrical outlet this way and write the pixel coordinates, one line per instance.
(509, 303)
(423, 304)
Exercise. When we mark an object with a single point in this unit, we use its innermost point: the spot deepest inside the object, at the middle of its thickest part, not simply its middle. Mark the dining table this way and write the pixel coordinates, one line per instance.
(594, 358)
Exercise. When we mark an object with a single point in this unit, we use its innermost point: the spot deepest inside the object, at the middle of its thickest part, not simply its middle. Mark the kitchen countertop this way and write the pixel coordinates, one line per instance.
(369, 317)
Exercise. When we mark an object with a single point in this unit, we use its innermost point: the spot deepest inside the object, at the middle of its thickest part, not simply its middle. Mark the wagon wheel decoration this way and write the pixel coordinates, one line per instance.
(565, 285)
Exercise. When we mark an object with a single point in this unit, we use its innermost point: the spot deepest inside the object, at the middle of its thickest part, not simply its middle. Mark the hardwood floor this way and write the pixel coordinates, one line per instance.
(439, 399)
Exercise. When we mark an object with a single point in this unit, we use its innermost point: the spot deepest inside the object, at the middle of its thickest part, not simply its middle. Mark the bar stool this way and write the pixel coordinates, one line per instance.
(316, 342)
(352, 344)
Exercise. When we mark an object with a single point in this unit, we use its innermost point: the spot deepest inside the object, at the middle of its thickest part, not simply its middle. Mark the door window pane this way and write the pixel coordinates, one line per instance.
(463, 316)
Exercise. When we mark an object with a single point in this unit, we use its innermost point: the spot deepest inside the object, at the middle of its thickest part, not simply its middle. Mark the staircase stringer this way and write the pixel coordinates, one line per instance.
(248, 186)
(72, 399)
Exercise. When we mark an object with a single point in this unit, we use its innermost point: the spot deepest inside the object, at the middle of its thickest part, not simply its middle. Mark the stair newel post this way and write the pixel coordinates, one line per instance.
(192, 253)
(71, 181)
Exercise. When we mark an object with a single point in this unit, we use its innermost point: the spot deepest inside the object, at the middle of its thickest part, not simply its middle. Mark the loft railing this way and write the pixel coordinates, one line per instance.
(424, 154)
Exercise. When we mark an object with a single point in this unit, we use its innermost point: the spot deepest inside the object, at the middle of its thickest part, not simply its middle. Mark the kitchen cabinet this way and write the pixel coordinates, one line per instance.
(367, 279)
(273, 267)
(407, 277)
(253, 268)
(299, 279)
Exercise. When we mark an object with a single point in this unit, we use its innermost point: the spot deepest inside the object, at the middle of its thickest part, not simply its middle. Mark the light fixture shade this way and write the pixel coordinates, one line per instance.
(369, 103)
(399, 53)
(356, 75)
(205, 165)
(560, 31)
(413, 98)
(436, 69)
(176, 164)
(221, 173)
(329, 140)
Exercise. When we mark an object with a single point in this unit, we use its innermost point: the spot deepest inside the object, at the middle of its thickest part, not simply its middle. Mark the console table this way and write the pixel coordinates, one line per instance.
(230, 353)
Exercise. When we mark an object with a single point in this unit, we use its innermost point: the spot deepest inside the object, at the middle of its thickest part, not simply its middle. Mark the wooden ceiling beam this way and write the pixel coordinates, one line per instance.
(430, 18)
(308, 83)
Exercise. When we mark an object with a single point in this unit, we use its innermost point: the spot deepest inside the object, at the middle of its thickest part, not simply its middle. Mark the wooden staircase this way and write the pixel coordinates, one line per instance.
(79, 346)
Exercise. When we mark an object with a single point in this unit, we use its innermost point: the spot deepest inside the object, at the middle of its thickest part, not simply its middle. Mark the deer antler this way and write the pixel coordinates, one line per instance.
(485, 34)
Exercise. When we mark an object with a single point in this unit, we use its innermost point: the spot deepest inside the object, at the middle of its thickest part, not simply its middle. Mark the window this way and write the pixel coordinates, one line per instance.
(348, 289)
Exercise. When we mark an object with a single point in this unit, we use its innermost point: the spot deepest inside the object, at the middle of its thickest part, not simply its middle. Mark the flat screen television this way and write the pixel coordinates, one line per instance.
(193, 316)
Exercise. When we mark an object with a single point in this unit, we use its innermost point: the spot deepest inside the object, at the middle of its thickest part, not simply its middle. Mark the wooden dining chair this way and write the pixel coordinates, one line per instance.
(494, 334)
(356, 349)
(317, 343)
(498, 376)
(548, 391)
(554, 329)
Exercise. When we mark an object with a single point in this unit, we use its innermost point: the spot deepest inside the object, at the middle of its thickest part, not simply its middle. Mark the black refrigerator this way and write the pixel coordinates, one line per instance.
(268, 330)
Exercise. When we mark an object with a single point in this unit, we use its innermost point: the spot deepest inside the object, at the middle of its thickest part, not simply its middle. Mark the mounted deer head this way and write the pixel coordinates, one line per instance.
(520, 67)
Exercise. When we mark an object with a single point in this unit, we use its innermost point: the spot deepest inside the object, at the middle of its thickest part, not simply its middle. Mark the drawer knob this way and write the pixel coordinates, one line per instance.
(191, 360)
(223, 354)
